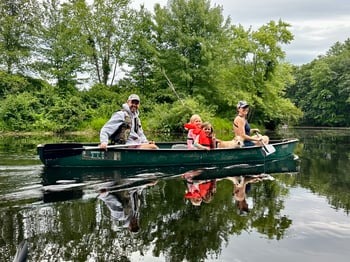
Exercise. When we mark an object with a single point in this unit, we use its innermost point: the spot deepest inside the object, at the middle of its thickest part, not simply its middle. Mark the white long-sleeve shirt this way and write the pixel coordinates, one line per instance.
(116, 120)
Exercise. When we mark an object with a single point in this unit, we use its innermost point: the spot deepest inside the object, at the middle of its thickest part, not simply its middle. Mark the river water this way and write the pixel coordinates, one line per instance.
(151, 215)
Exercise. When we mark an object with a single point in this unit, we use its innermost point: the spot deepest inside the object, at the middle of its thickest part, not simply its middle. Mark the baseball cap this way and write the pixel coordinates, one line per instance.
(242, 104)
(134, 97)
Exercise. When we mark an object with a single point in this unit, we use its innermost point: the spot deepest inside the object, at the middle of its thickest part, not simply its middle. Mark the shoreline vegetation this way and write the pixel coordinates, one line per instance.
(92, 133)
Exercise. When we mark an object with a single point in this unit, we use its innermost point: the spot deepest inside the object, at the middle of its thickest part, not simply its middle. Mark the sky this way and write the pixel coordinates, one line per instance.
(316, 24)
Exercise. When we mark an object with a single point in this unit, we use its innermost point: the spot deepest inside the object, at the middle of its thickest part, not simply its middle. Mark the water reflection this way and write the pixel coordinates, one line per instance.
(87, 214)
(325, 165)
(63, 190)
(265, 217)
(61, 184)
(84, 209)
(198, 191)
(124, 204)
(60, 215)
(242, 186)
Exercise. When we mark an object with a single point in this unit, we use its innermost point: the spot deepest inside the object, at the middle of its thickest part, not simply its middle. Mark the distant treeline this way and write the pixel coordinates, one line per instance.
(61, 64)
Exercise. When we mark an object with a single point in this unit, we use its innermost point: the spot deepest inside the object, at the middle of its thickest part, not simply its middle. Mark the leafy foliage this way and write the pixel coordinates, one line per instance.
(17, 23)
(41, 109)
(19, 112)
(105, 29)
(171, 117)
(256, 74)
(182, 59)
(11, 84)
(68, 114)
(190, 38)
(322, 88)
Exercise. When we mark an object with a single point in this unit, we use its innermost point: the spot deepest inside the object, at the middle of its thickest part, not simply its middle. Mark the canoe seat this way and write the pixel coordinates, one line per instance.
(179, 146)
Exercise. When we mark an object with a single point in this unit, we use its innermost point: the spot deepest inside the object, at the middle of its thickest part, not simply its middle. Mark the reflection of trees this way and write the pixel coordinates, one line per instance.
(170, 226)
(11, 228)
(325, 167)
(181, 231)
(184, 232)
(266, 213)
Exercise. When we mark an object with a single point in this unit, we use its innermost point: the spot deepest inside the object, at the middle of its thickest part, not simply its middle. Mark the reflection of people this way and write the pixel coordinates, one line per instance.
(197, 122)
(199, 191)
(242, 128)
(241, 187)
(124, 205)
(113, 204)
(124, 127)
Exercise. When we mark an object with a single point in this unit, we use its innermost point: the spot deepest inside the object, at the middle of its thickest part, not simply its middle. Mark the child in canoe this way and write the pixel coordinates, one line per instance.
(205, 137)
(195, 123)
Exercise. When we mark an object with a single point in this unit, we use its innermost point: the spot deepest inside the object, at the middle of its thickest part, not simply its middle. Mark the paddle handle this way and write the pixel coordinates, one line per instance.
(268, 149)
(111, 146)
(259, 135)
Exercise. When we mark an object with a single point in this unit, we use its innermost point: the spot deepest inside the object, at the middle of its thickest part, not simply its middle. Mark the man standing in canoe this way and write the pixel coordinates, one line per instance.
(124, 127)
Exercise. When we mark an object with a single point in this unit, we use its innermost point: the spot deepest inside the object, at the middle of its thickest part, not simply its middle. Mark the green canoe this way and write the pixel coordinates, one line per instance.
(169, 154)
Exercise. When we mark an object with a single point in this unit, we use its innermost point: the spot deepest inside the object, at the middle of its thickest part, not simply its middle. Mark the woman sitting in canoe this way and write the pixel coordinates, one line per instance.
(242, 128)
(124, 127)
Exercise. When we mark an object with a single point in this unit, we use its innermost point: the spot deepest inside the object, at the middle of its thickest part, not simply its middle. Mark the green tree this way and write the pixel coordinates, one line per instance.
(17, 21)
(322, 88)
(190, 36)
(59, 55)
(142, 53)
(257, 73)
(188, 50)
(105, 26)
(68, 114)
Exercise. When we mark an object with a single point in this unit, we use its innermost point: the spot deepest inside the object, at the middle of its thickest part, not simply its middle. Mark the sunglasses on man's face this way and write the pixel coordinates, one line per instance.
(135, 102)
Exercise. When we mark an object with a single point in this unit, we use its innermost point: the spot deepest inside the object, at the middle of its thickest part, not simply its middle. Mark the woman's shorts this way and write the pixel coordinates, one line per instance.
(248, 143)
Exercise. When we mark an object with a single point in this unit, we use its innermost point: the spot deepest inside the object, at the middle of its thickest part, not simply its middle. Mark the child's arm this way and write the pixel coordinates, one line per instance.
(199, 146)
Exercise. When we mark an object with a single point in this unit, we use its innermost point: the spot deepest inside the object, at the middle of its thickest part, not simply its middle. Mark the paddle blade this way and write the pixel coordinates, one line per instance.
(52, 151)
(268, 149)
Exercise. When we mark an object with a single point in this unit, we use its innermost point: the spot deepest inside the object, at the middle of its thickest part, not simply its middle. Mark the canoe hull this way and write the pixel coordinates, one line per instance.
(74, 155)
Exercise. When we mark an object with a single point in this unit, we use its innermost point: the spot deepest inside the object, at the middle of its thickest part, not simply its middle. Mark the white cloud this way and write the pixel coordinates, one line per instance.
(316, 24)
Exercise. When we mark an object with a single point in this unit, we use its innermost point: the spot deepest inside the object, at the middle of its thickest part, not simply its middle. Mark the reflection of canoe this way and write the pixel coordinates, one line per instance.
(51, 175)
(63, 195)
(62, 190)
(270, 167)
(169, 154)
(65, 183)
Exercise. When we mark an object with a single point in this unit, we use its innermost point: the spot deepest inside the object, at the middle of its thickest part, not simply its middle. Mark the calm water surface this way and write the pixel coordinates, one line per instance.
(149, 215)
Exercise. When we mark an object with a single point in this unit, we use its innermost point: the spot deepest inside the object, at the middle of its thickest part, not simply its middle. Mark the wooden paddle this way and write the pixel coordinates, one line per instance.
(267, 148)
